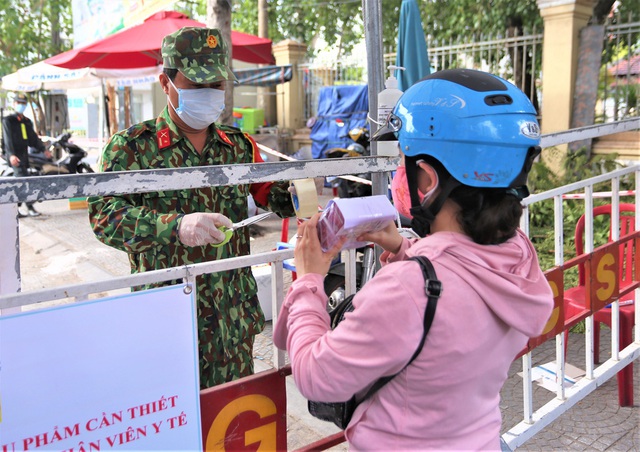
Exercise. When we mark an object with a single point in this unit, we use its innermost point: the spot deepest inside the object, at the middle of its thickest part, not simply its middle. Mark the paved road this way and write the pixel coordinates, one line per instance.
(58, 248)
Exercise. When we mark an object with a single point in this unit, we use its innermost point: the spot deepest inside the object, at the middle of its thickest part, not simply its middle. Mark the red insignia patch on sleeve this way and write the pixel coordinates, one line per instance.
(224, 137)
(163, 138)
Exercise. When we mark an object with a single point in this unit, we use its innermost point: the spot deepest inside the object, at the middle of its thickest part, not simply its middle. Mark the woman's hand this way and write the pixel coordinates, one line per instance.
(308, 254)
(388, 238)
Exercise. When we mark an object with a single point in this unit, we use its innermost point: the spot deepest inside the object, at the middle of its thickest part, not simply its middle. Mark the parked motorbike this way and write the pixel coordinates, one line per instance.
(71, 159)
(335, 281)
(360, 147)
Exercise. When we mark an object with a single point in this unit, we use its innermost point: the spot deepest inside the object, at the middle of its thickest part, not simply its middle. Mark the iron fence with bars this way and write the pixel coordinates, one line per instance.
(517, 59)
(619, 88)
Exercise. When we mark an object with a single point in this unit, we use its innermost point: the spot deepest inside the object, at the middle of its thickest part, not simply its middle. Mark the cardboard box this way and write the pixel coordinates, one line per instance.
(351, 217)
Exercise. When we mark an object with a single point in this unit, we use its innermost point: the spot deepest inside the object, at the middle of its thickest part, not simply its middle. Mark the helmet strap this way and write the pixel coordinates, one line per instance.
(421, 221)
(411, 167)
(424, 216)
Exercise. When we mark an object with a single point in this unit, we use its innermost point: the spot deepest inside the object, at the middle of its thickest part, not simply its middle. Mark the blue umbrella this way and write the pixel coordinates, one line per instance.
(412, 47)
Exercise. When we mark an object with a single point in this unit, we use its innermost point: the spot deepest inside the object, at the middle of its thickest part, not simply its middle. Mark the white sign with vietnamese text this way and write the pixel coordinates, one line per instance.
(116, 373)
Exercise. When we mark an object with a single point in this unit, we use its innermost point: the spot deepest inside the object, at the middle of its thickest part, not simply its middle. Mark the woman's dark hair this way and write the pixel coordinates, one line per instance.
(170, 72)
(489, 216)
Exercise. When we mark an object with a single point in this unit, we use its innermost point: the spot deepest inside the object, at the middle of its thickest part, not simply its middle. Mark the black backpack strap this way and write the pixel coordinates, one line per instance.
(433, 290)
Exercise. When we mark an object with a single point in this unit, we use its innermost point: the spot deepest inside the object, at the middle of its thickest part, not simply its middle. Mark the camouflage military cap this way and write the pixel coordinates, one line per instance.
(201, 54)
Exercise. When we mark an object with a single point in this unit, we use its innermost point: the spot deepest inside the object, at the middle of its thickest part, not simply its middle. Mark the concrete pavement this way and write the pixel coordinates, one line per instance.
(58, 248)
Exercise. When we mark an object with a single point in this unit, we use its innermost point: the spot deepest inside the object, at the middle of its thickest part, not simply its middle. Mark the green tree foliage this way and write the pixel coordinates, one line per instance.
(336, 21)
(465, 19)
(32, 30)
(340, 22)
(615, 12)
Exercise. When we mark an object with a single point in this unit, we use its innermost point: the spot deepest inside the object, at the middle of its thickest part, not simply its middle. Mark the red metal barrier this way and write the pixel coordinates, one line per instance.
(324, 443)
(247, 414)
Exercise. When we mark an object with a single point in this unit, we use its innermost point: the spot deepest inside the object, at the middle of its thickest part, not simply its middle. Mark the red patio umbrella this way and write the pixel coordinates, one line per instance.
(139, 46)
(251, 49)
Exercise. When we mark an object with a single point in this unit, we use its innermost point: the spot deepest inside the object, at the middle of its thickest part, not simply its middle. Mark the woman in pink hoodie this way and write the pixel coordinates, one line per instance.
(469, 140)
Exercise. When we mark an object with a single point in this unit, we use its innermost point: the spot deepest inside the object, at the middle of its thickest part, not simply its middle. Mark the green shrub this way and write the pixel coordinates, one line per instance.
(576, 167)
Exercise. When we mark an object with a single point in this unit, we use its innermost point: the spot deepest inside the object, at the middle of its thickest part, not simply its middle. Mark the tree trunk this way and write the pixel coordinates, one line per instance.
(219, 16)
(40, 125)
(127, 107)
(111, 110)
(54, 18)
(601, 10)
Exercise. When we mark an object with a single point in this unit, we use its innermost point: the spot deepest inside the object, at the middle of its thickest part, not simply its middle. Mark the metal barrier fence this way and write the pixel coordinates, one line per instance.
(63, 187)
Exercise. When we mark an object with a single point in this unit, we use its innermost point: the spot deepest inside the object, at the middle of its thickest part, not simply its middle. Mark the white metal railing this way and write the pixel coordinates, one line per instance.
(15, 190)
(535, 421)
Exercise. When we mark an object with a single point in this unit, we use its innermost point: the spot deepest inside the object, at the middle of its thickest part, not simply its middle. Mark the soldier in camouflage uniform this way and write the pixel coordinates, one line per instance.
(172, 228)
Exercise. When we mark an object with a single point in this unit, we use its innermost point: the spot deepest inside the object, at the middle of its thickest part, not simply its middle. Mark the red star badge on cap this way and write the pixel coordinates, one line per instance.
(163, 138)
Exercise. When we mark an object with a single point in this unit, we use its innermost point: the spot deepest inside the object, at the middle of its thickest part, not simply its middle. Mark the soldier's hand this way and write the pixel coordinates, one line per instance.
(14, 160)
(197, 229)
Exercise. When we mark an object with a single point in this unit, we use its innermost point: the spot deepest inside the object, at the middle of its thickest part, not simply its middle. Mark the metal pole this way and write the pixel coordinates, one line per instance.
(103, 122)
(371, 11)
(10, 281)
(2, 131)
(372, 18)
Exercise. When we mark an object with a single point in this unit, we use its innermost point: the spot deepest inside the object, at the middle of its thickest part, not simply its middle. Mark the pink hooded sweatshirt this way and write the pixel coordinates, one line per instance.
(494, 299)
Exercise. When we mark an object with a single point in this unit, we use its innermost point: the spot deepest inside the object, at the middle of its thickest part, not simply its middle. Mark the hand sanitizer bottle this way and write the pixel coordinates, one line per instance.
(387, 99)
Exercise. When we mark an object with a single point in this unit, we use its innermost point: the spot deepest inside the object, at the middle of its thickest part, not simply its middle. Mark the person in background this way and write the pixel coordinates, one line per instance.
(173, 228)
(18, 134)
(469, 140)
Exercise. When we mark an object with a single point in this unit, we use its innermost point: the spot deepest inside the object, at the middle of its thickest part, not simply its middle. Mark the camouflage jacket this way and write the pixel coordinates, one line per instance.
(145, 225)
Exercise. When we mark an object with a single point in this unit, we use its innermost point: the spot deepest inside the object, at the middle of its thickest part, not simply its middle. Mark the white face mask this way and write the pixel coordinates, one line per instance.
(198, 108)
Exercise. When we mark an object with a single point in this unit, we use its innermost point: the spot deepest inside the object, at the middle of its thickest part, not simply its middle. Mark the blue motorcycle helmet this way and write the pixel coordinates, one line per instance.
(482, 129)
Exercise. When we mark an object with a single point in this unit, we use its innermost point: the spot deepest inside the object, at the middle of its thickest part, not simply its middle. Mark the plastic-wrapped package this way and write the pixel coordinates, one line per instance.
(351, 217)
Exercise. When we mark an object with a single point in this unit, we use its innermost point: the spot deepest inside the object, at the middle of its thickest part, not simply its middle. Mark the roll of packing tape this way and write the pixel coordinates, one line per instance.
(305, 198)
